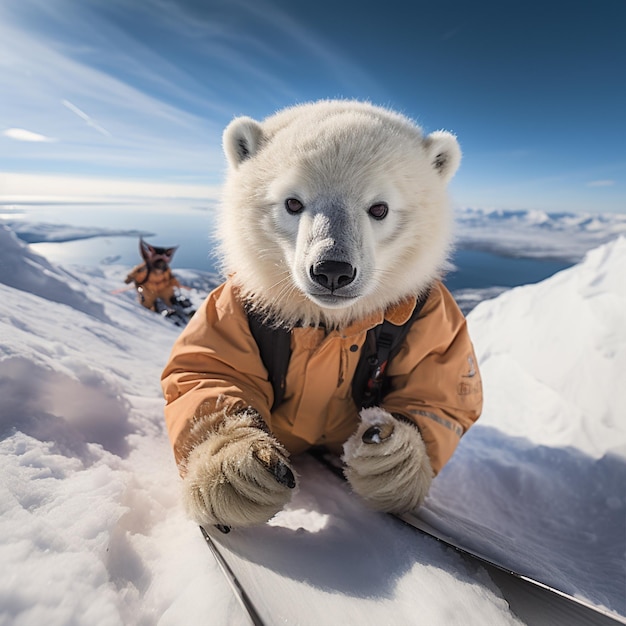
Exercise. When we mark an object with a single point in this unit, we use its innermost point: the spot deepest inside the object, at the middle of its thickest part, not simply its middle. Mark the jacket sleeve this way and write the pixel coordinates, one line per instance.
(214, 366)
(137, 274)
(173, 281)
(435, 380)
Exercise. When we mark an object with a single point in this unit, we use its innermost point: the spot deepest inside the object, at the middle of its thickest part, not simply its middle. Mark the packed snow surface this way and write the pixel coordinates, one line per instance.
(91, 527)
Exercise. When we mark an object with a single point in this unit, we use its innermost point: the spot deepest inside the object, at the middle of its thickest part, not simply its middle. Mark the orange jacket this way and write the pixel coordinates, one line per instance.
(152, 285)
(434, 378)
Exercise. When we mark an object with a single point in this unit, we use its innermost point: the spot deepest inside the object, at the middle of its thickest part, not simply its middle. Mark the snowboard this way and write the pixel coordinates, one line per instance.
(326, 559)
(179, 311)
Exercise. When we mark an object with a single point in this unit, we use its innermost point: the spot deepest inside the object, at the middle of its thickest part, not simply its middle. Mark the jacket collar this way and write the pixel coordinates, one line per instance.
(397, 314)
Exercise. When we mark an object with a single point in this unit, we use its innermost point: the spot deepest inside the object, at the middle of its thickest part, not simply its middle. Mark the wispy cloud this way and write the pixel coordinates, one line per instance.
(344, 71)
(450, 34)
(18, 188)
(86, 118)
(137, 133)
(601, 183)
(21, 134)
(158, 109)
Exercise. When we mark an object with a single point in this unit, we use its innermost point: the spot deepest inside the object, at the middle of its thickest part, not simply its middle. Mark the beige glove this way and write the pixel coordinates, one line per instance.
(386, 462)
(238, 476)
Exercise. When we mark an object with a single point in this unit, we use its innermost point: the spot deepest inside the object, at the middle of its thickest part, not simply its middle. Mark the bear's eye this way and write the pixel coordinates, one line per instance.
(379, 211)
(293, 206)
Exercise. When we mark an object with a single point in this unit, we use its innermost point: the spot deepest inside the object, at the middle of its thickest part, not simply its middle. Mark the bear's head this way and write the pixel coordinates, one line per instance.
(334, 210)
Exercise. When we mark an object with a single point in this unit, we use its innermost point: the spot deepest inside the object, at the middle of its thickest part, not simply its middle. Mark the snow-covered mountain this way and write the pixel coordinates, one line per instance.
(91, 528)
(537, 234)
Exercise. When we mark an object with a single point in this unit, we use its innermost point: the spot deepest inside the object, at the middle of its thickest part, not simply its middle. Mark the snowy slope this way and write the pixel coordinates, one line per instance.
(91, 530)
(540, 482)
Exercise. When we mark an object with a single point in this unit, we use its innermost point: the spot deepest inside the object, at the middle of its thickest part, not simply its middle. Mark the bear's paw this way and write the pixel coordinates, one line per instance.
(386, 463)
(239, 476)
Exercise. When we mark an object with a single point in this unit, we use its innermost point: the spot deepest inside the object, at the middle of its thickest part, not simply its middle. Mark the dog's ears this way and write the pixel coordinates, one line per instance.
(444, 153)
(241, 140)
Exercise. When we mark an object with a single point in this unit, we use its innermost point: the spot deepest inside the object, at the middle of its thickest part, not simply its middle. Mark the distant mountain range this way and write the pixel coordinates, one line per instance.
(536, 234)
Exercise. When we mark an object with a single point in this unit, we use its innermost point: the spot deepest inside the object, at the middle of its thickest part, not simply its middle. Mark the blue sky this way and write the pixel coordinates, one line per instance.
(129, 97)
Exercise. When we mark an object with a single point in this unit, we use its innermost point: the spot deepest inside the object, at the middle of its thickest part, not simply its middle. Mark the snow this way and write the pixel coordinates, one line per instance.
(552, 436)
(537, 234)
(363, 568)
(91, 526)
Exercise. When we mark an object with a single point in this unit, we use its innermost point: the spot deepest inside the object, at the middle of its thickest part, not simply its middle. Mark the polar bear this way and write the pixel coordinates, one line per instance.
(334, 218)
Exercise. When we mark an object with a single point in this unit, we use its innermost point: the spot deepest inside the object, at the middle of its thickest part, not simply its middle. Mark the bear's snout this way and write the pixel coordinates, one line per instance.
(332, 275)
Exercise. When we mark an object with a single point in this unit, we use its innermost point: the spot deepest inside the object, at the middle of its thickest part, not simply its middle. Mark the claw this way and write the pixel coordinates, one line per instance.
(223, 528)
(284, 475)
(275, 466)
(377, 433)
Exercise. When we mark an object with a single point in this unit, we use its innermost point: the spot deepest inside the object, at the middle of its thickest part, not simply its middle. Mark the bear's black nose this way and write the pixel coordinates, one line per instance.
(333, 274)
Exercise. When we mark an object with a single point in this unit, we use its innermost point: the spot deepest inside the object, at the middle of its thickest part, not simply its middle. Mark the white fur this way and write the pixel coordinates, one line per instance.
(393, 475)
(338, 158)
(242, 138)
(225, 484)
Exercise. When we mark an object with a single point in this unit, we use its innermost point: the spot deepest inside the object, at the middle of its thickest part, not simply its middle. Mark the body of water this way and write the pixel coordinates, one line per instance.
(194, 250)
(191, 230)
(188, 228)
(475, 269)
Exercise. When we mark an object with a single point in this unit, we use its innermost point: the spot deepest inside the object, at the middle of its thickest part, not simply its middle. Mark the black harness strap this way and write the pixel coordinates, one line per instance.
(383, 342)
(274, 344)
(369, 385)
(145, 280)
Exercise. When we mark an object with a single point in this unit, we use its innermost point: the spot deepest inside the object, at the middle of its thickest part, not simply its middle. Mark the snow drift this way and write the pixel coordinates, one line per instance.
(539, 483)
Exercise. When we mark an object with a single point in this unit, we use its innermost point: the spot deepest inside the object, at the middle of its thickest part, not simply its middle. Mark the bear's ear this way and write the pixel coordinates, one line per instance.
(241, 139)
(444, 153)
